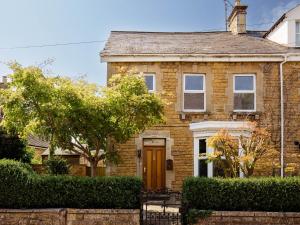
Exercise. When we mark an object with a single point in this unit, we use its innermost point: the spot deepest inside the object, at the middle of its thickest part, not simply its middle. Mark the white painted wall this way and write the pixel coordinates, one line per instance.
(280, 34)
(285, 32)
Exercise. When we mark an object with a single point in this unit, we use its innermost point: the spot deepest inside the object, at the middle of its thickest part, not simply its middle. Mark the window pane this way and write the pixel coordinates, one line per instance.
(244, 101)
(297, 27)
(202, 168)
(298, 40)
(150, 82)
(194, 101)
(193, 83)
(244, 83)
(202, 146)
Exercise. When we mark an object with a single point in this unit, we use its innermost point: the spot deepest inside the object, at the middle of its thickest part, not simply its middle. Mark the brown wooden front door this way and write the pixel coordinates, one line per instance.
(154, 167)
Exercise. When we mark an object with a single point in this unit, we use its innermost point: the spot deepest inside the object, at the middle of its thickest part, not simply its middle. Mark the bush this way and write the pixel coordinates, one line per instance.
(254, 194)
(57, 166)
(22, 188)
(12, 147)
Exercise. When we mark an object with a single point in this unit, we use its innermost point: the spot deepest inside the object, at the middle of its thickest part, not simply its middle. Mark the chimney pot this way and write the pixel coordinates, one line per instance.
(237, 2)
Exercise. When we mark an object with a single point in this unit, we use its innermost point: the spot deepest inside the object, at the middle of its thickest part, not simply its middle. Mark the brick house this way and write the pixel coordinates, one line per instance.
(213, 80)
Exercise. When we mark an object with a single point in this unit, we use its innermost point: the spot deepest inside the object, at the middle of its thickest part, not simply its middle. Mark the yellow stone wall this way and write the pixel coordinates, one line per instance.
(219, 97)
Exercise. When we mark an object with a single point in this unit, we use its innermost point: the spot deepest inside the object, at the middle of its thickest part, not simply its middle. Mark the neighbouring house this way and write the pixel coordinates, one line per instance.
(71, 157)
(80, 166)
(39, 146)
(213, 80)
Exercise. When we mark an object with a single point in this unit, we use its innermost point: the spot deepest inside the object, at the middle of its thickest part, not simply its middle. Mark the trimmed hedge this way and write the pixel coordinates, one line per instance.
(20, 187)
(254, 194)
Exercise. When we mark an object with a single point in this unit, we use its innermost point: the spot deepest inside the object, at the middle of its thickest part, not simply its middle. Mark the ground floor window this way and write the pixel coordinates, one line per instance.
(202, 167)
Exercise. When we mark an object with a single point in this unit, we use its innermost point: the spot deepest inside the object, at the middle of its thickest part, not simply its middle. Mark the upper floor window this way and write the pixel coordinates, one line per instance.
(298, 34)
(194, 92)
(150, 82)
(244, 92)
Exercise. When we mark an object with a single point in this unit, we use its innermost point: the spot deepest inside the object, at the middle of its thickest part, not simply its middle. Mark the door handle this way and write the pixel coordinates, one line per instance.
(144, 169)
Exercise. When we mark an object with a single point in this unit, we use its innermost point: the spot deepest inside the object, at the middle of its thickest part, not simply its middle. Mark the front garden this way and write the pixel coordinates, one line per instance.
(21, 187)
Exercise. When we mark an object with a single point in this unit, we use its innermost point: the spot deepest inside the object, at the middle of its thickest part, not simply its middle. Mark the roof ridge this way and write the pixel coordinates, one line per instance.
(169, 32)
(184, 32)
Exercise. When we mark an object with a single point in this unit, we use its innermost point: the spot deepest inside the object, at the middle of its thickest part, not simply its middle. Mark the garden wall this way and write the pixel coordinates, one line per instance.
(250, 218)
(69, 217)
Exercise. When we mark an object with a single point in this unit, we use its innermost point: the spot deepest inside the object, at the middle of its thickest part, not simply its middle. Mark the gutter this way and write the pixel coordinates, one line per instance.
(191, 57)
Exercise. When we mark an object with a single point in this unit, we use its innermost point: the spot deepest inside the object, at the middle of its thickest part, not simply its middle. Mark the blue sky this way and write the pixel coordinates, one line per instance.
(39, 22)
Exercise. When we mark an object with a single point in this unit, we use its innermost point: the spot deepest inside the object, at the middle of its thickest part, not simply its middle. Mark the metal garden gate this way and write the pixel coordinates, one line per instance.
(162, 207)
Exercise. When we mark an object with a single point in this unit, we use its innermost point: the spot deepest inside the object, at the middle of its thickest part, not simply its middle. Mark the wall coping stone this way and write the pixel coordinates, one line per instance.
(49, 210)
(103, 211)
(255, 214)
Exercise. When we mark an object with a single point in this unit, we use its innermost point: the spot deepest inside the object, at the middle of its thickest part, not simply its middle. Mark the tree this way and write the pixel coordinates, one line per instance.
(81, 117)
(231, 158)
(12, 147)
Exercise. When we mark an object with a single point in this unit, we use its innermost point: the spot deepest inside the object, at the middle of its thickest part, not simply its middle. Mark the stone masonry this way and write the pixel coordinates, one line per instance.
(69, 217)
(250, 218)
(219, 98)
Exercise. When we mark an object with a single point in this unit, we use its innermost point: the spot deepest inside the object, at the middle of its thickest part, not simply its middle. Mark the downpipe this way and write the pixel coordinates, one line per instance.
(282, 117)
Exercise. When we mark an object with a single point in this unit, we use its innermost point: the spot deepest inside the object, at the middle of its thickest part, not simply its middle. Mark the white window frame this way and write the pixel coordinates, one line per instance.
(210, 165)
(194, 91)
(197, 157)
(154, 81)
(297, 34)
(245, 92)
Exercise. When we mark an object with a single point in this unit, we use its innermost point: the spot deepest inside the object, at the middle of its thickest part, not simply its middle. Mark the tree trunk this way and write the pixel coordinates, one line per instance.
(51, 149)
(250, 171)
(93, 168)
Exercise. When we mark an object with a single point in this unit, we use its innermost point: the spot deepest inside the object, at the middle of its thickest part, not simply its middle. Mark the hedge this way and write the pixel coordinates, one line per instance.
(254, 194)
(20, 187)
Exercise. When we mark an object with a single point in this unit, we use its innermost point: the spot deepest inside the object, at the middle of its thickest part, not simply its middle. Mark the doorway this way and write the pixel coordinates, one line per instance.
(154, 160)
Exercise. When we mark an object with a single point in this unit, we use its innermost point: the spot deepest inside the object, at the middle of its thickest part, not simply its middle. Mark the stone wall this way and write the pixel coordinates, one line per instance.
(69, 217)
(250, 218)
(103, 217)
(219, 96)
(33, 217)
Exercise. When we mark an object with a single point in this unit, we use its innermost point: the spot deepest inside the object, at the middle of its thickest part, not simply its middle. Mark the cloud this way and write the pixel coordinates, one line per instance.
(282, 8)
(269, 17)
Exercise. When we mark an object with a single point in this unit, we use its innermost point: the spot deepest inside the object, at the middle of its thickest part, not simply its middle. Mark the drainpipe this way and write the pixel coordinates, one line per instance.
(282, 117)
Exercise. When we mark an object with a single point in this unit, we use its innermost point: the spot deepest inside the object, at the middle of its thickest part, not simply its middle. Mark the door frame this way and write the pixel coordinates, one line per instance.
(154, 145)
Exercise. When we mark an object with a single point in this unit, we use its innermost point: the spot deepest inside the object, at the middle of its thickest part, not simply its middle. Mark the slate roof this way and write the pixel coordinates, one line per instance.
(36, 142)
(59, 151)
(124, 43)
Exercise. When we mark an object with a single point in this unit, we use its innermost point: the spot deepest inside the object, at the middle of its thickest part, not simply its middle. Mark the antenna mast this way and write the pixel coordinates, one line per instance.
(226, 12)
(227, 3)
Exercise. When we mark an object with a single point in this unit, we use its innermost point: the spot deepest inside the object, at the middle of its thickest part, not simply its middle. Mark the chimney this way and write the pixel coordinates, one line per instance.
(237, 19)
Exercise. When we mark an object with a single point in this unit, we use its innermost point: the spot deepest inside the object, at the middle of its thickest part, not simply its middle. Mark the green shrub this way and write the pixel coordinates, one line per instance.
(254, 194)
(12, 147)
(57, 166)
(21, 188)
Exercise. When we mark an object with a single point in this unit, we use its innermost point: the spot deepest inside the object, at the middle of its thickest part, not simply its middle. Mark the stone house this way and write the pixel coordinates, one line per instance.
(213, 80)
